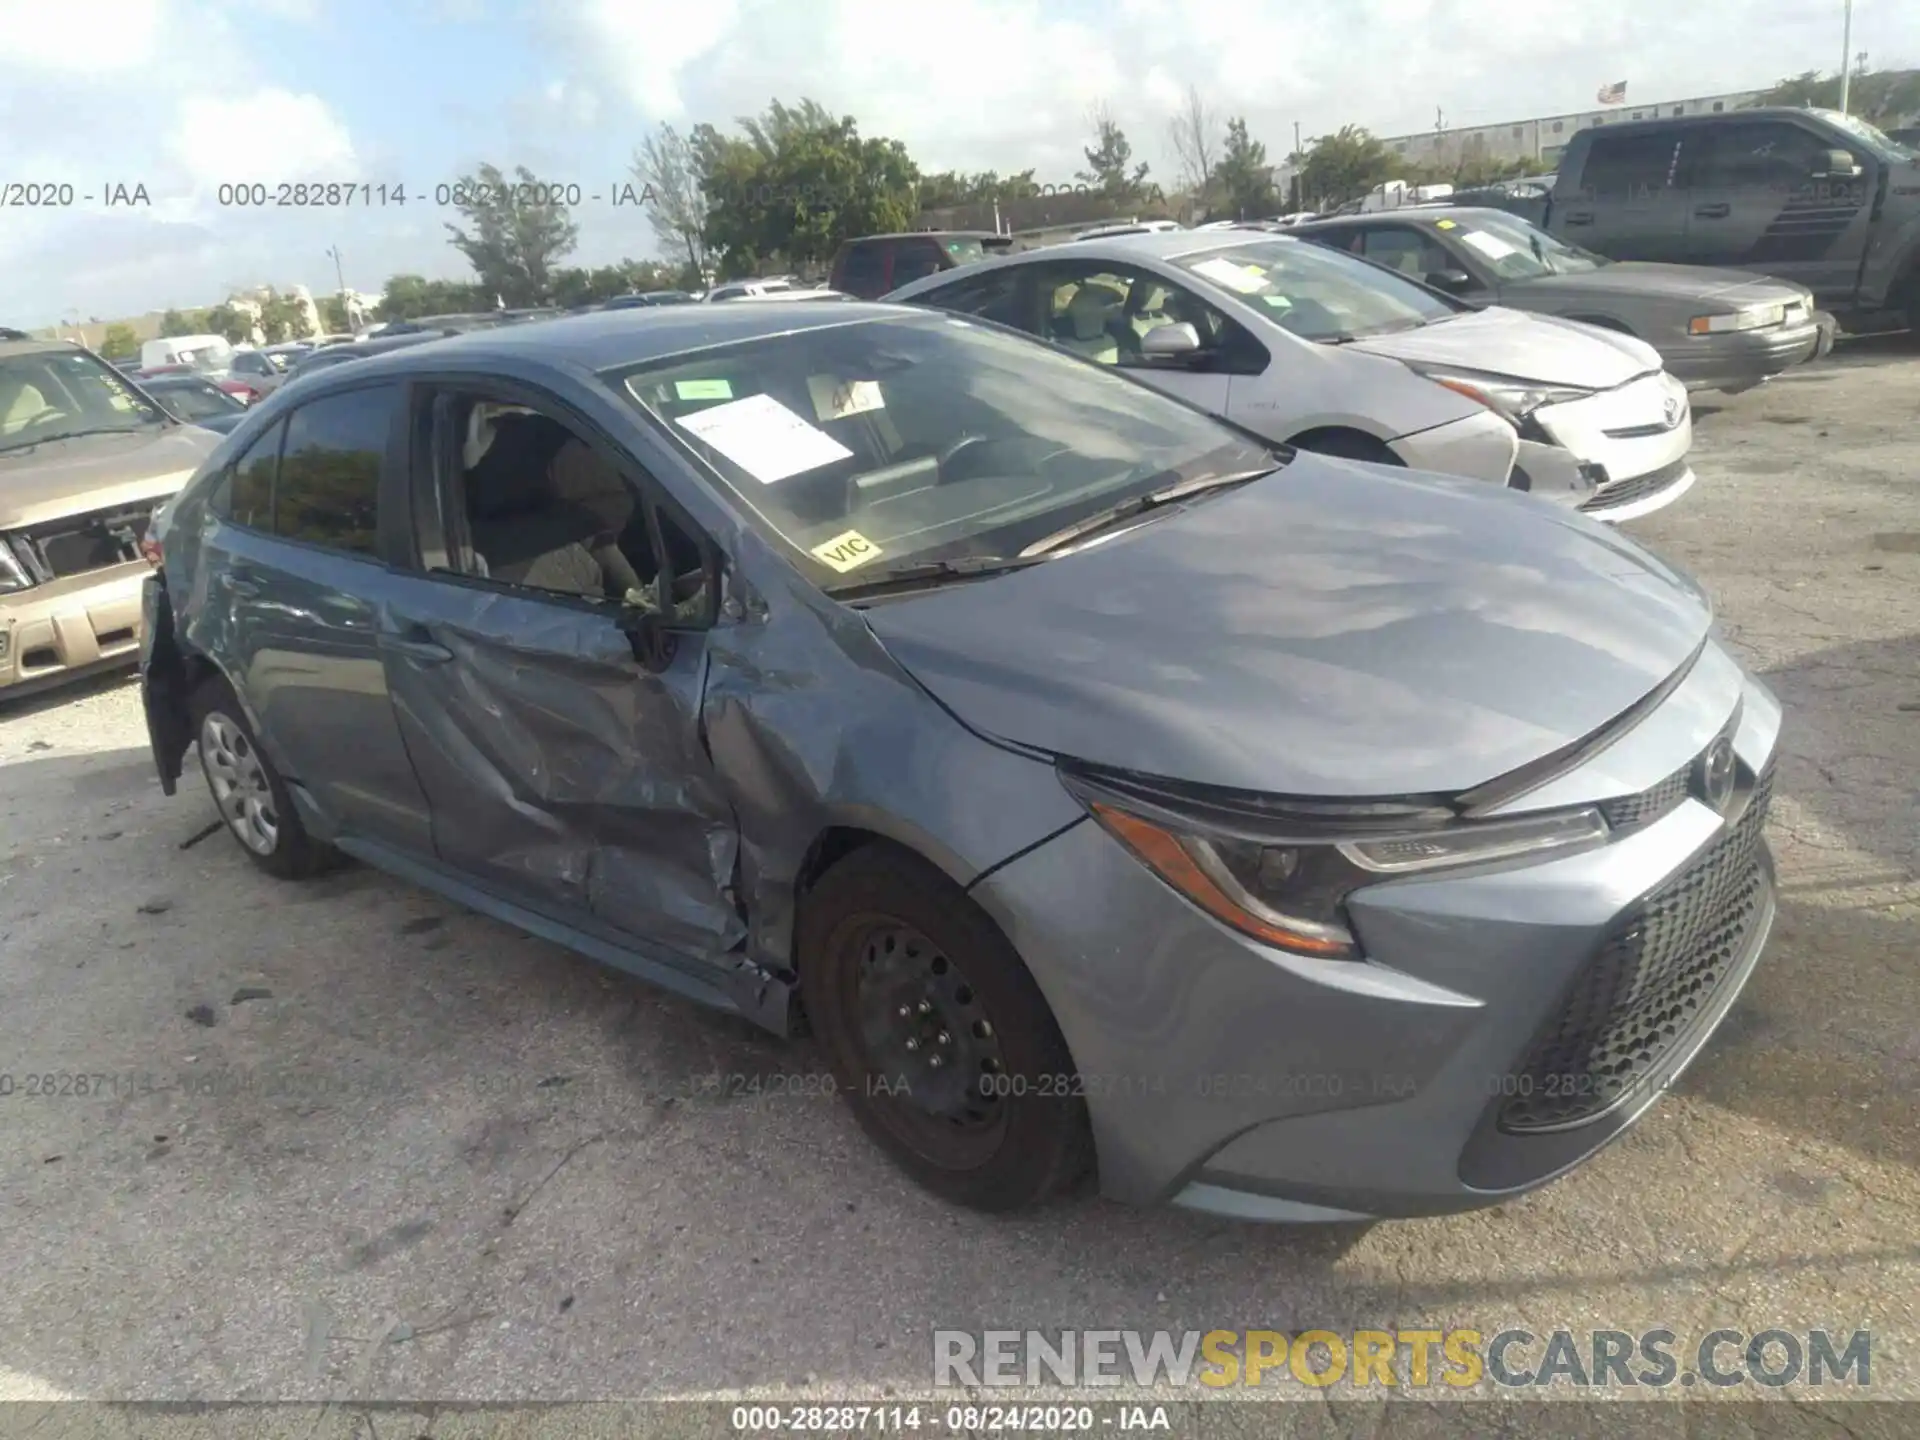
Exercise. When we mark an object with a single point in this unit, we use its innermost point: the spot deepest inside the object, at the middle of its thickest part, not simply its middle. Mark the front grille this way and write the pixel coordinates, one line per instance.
(1630, 812)
(1662, 965)
(97, 540)
(1637, 487)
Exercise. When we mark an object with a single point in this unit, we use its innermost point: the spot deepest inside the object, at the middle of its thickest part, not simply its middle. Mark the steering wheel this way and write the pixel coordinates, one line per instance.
(952, 450)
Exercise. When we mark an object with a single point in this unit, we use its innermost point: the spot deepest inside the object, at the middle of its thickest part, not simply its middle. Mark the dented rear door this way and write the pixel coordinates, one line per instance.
(561, 772)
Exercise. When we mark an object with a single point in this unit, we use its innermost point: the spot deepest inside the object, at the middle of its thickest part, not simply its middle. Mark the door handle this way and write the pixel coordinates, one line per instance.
(1713, 212)
(1580, 217)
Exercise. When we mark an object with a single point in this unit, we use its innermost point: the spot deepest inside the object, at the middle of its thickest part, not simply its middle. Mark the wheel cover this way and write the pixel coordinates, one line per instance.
(237, 776)
(921, 1021)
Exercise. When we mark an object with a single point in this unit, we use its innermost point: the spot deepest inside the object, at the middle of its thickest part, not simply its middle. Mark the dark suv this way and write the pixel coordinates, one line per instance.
(875, 265)
(1812, 196)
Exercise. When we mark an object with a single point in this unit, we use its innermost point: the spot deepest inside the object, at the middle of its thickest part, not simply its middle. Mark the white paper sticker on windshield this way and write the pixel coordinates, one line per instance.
(835, 399)
(1242, 279)
(1491, 246)
(847, 551)
(764, 438)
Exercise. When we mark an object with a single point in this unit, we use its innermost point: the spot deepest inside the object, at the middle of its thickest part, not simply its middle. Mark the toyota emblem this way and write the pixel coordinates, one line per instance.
(1716, 774)
(1673, 411)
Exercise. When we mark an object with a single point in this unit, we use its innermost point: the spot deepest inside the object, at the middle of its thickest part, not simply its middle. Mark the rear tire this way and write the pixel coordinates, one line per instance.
(938, 1036)
(248, 791)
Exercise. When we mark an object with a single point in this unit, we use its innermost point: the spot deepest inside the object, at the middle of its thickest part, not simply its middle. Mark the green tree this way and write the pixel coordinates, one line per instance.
(120, 343)
(1880, 97)
(1243, 176)
(1343, 166)
(669, 169)
(333, 314)
(282, 318)
(514, 239)
(796, 184)
(1110, 167)
(408, 297)
(183, 322)
(948, 189)
(224, 320)
(576, 286)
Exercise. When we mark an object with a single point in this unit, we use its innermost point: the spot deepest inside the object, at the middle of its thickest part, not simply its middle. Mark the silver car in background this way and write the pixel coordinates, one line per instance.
(1324, 351)
(1726, 330)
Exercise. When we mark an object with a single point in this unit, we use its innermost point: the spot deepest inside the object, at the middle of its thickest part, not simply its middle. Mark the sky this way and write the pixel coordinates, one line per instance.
(185, 96)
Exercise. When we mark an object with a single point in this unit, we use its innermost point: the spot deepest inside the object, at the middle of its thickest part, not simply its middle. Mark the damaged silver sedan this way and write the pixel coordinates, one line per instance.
(1105, 791)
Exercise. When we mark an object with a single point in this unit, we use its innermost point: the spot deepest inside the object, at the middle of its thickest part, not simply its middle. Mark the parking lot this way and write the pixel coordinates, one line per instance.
(345, 1139)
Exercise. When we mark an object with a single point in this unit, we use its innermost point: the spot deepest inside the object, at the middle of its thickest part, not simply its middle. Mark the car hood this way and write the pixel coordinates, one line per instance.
(1336, 629)
(93, 472)
(1538, 348)
(1647, 280)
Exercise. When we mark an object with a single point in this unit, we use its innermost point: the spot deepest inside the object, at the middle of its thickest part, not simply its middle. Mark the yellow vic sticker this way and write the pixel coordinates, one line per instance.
(846, 552)
(1444, 224)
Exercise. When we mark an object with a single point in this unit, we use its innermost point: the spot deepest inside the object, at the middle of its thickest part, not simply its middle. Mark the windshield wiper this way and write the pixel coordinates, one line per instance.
(909, 574)
(92, 430)
(1139, 505)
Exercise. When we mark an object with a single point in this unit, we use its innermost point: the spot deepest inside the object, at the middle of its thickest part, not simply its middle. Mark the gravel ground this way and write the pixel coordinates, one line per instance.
(486, 1169)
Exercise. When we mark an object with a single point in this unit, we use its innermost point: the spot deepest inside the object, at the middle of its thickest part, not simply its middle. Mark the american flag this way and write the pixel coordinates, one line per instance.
(1614, 94)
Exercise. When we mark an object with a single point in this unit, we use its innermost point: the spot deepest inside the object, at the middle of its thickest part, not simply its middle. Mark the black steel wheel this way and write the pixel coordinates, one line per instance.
(937, 1034)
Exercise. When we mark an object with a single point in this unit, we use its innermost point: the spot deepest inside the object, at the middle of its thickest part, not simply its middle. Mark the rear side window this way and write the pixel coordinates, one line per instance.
(1633, 166)
(1761, 154)
(915, 260)
(864, 272)
(329, 491)
(247, 497)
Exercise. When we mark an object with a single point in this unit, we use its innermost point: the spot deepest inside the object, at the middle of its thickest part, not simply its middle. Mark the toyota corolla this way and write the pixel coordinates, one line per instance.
(1106, 791)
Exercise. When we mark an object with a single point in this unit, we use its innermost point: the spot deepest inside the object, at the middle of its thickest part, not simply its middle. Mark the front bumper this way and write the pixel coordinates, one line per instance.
(1741, 359)
(68, 628)
(1636, 437)
(1225, 1076)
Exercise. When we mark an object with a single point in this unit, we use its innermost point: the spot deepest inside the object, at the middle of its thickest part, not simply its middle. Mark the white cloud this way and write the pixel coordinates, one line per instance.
(98, 37)
(269, 135)
(645, 44)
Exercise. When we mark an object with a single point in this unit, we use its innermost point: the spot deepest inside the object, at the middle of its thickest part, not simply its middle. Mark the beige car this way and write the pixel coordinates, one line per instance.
(84, 459)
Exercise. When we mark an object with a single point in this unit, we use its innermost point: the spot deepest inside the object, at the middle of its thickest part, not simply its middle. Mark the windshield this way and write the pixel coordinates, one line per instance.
(924, 438)
(1514, 250)
(1875, 139)
(49, 395)
(195, 401)
(1315, 293)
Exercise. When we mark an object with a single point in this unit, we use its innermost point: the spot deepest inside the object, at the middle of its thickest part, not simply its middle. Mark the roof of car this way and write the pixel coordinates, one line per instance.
(33, 347)
(1407, 212)
(928, 235)
(604, 339)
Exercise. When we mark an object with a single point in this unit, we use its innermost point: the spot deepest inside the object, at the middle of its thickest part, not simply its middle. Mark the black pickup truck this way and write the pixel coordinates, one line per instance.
(1806, 195)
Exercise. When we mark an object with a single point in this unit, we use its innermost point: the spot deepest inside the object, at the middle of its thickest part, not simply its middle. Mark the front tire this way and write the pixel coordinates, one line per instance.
(938, 1036)
(248, 791)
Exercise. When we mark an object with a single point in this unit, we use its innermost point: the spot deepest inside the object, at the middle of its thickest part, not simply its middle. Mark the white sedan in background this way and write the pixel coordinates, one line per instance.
(1326, 352)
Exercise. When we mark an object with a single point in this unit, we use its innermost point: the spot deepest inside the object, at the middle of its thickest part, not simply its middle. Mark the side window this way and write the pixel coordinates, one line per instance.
(1084, 310)
(329, 491)
(1412, 252)
(992, 296)
(1759, 154)
(864, 273)
(1634, 166)
(912, 261)
(246, 496)
(528, 502)
(1153, 303)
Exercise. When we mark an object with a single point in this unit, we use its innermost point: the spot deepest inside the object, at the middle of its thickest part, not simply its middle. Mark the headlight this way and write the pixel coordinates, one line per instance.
(13, 571)
(1512, 400)
(1753, 317)
(1291, 892)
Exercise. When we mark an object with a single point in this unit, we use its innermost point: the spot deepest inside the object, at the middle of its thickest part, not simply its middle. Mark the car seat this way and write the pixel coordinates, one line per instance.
(1086, 330)
(522, 530)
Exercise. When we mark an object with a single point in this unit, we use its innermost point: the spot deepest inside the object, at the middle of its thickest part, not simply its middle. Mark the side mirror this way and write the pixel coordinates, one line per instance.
(693, 606)
(1837, 165)
(1454, 282)
(1168, 341)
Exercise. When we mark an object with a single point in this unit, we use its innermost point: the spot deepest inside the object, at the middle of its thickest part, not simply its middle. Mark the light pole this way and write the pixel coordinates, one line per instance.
(1846, 56)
